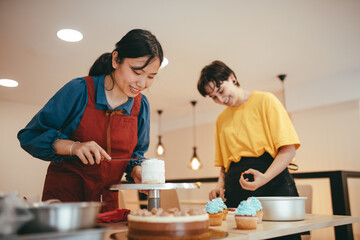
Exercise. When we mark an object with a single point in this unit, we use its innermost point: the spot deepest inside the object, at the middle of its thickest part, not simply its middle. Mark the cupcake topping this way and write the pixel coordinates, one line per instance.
(213, 206)
(220, 202)
(245, 208)
(255, 202)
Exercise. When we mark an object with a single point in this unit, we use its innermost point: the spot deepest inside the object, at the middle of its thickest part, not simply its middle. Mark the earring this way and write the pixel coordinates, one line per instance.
(234, 81)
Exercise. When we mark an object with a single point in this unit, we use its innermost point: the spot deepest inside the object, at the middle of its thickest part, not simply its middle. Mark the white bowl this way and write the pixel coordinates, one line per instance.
(283, 208)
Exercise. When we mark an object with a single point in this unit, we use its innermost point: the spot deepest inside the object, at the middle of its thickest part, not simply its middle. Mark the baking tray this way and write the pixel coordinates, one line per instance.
(96, 233)
(214, 234)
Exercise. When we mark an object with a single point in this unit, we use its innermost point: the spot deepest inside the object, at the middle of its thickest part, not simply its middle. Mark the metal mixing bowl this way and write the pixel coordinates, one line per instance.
(13, 213)
(283, 208)
(61, 217)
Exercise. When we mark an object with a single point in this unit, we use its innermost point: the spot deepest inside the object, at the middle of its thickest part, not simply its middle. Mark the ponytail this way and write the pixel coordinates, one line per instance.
(102, 65)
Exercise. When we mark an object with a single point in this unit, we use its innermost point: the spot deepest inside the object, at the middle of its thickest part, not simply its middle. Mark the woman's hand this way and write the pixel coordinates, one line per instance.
(283, 158)
(90, 152)
(136, 174)
(259, 180)
(217, 192)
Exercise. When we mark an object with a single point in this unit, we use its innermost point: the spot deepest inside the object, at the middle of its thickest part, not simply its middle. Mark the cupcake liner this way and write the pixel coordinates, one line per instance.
(259, 214)
(246, 222)
(225, 212)
(215, 219)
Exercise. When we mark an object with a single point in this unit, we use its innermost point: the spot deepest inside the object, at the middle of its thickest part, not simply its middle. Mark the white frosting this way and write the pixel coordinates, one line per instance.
(153, 171)
(169, 219)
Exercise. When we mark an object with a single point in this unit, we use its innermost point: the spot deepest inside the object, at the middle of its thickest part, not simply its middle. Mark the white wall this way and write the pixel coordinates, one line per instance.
(330, 140)
(18, 170)
(323, 92)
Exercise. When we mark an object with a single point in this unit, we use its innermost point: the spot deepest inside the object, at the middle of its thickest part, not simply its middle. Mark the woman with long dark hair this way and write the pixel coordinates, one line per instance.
(94, 119)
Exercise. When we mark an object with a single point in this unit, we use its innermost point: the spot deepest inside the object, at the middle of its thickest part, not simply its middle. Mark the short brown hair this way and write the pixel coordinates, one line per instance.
(216, 72)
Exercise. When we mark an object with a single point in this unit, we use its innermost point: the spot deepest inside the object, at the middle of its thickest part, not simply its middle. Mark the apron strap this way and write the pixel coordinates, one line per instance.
(90, 89)
(136, 105)
(110, 113)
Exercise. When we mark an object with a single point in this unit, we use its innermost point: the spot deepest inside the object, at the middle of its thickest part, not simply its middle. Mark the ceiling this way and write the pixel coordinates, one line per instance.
(307, 40)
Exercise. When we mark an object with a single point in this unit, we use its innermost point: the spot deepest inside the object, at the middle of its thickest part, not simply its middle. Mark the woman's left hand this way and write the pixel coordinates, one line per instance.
(259, 180)
(136, 174)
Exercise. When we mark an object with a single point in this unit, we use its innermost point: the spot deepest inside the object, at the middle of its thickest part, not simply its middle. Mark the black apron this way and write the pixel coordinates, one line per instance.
(282, 185)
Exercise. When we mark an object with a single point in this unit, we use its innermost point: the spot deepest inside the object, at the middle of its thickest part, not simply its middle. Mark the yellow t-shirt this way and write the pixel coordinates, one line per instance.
(259, 125)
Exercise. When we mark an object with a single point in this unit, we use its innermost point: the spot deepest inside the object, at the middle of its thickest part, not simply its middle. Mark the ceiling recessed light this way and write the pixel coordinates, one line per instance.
(164, 62)
(69, 35)
(8, 83)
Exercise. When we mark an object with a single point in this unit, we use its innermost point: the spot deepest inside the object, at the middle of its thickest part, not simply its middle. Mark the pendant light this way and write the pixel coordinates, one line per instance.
(282, 79)
(195, 163)
(292, 165)
(160, 150)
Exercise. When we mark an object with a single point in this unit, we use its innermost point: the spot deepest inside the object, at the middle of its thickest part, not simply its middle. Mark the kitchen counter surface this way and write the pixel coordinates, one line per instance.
(338, 180)
(266, 229)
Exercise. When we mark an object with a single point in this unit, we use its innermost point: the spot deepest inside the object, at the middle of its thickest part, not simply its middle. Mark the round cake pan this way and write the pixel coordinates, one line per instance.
(62, 217)
(283, 208)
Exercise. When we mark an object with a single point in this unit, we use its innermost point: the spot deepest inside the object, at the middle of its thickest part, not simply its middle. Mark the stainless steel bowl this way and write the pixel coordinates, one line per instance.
(62, 217)
(283, 208)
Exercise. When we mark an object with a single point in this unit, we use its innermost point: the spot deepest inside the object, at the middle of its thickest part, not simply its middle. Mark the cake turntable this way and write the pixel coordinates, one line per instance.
(154, 190)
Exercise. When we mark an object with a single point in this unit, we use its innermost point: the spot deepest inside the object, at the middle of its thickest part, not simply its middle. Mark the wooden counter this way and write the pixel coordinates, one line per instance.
(338, 187)
(266, 229)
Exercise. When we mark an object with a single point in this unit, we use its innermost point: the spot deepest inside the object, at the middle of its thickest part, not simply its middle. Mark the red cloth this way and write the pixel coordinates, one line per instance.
(117, 215)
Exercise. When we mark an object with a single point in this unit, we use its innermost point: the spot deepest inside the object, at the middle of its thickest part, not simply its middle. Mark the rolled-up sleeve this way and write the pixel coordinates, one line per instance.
(58, 119)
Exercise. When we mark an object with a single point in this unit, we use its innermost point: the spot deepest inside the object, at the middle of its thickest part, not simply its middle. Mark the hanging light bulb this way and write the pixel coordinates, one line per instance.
(282, 79)
(160, 150)
(292, 165)
(195, 163)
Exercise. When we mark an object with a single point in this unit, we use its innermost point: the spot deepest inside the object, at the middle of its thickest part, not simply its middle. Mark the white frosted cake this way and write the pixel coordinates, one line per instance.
(153, 171)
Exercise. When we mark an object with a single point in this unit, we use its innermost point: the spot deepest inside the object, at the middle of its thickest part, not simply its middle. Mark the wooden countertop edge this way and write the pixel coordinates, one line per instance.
(304, 226)
(311, 222)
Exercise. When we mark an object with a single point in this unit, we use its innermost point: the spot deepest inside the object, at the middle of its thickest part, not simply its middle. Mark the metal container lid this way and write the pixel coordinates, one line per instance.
(281, 198)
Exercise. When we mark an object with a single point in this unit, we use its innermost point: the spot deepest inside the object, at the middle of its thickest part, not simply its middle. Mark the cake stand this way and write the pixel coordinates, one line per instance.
(154, 190)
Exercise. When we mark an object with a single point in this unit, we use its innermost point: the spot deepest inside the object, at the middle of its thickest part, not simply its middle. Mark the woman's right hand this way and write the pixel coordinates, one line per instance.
(90, 152)
(217, 192)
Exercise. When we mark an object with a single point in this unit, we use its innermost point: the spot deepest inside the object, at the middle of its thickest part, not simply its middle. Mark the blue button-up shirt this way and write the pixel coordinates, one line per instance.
(61, 115)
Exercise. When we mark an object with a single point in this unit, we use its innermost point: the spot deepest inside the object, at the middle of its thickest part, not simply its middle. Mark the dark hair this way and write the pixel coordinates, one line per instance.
(136, 43)
(216, 72)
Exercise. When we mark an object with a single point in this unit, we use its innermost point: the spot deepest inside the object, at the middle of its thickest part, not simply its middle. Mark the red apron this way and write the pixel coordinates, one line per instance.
(73, 181)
